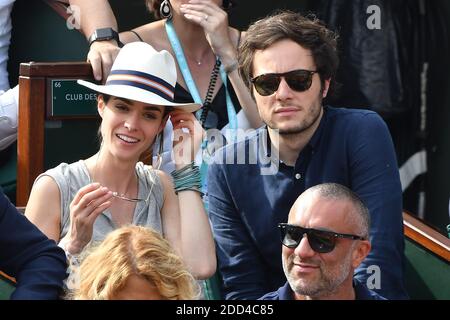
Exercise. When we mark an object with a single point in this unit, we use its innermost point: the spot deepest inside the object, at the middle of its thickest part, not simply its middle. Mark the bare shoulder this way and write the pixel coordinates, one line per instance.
(44, 206)
(44, 188)
(165, 179)
(154, 33)
(168, 188)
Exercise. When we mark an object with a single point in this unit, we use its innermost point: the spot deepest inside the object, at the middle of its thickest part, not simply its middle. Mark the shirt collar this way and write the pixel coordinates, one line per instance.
(285, 292)
(363, 293)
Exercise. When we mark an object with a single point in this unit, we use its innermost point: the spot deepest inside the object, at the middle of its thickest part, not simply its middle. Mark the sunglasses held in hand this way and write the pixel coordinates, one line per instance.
(319, 240)
(298, 80)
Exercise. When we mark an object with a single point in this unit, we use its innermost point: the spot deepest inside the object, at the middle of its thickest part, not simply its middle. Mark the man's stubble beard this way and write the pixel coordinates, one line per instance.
(327, 283)
(310, 120)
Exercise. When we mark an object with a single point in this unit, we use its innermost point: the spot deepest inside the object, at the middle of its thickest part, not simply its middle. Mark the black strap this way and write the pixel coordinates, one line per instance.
(210, 92)
(137, 35)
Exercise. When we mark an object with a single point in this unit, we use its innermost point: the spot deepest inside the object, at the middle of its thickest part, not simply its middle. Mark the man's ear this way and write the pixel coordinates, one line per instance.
(360, 252)
(326, 87)
(101, 105)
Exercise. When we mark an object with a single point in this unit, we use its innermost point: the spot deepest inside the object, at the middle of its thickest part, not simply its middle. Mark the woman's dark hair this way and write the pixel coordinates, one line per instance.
(166, 110)
(106, 97)
(153, 7)
(308, 32)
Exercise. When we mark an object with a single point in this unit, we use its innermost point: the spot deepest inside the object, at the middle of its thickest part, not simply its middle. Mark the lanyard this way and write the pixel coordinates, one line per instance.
(181, 59)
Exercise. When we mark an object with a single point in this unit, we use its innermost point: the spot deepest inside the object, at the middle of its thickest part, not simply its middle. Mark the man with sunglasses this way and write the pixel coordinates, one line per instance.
(288, 62)
(324, 241)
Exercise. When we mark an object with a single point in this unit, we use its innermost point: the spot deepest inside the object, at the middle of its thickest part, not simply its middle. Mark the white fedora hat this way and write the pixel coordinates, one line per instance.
(143, 74)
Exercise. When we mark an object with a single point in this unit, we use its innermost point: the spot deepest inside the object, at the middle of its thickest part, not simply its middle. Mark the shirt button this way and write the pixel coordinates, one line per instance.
(298, 176)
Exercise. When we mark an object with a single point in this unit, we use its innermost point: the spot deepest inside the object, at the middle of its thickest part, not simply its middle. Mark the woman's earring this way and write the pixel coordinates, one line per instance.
(158, 163)
(227, 5)
(165, 10)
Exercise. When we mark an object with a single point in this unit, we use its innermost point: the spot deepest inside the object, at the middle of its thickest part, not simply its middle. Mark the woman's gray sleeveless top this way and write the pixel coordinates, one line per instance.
(71, 177)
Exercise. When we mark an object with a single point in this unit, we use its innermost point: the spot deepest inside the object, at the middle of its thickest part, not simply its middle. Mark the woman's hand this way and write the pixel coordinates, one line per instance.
(101, 57)
(89, 202)
(188, 136)
(214, 21)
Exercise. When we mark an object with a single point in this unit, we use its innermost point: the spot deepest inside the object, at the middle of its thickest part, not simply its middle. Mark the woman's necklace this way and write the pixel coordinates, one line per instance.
(115, 194)
(197, 62)
(122, 196)
(200, 61)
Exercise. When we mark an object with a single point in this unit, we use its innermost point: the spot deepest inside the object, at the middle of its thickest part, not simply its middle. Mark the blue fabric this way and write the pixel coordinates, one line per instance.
(26, 254)
(286, 293)
(350, 147)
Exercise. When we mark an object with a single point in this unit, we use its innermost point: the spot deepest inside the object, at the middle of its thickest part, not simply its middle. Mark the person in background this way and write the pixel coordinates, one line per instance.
(83, 201)
(197, 33)
(324, 241)
(97, 14)
(134, 263)
(37, 263)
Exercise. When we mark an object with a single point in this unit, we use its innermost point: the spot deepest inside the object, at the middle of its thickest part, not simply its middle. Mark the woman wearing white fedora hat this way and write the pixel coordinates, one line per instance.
(198, 35)
(83, 201)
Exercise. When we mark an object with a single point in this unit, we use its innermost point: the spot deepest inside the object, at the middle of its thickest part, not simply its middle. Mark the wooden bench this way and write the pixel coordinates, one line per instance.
(427, 260)
(6, 286)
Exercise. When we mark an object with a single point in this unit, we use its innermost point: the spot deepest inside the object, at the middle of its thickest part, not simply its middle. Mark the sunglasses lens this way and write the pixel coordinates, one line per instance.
(290, 236)
(267, 84)
(299, 80)
(321, 242)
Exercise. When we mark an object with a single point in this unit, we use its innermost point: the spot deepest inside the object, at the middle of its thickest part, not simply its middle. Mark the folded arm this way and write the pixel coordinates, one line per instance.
(240, 265)
(375, 178)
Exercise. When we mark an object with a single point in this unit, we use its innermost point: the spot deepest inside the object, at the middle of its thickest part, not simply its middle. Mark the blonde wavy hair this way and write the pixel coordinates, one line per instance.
(134, 250)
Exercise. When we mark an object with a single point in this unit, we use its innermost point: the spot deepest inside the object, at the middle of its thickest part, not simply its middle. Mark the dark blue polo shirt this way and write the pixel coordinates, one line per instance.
(286, 293)
(351, 147)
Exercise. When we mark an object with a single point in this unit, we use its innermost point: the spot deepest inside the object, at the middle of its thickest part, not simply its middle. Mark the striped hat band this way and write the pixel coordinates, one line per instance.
(143, 81)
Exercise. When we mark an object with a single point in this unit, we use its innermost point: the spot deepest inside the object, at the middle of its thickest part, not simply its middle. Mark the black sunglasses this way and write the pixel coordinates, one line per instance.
(320, 241)
(298, 80)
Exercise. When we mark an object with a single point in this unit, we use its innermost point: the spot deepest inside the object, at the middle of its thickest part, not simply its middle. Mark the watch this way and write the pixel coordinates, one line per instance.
(104, 34)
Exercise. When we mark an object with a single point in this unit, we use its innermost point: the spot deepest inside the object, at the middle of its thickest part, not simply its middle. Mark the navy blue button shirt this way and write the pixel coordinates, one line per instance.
(286, 293)
(351, 147)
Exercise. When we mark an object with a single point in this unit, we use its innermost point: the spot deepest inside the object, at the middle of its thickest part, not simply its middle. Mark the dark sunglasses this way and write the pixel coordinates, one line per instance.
(298, 80)
(320, 241)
